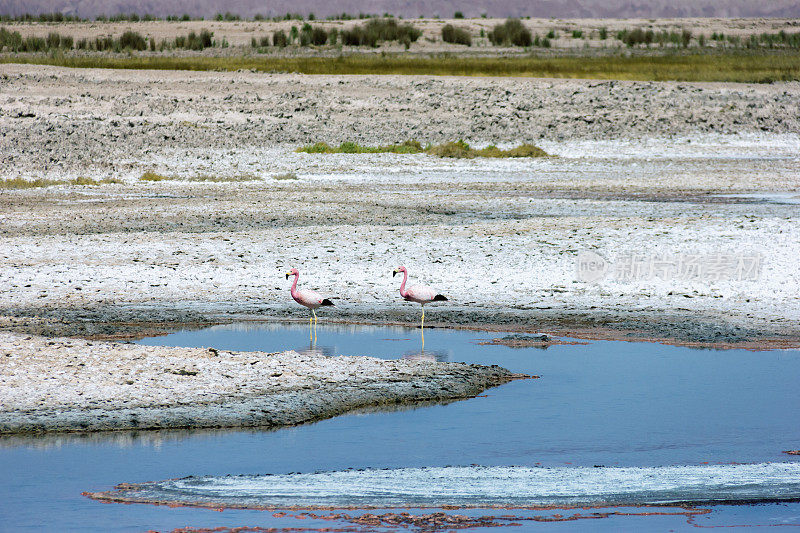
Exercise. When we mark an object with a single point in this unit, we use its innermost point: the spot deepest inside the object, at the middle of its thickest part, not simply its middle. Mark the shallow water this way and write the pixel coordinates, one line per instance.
(768, 197)
(613, 404)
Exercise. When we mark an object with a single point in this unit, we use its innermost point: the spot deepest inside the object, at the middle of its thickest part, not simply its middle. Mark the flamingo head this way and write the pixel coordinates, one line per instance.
(292, 272)
(398, 270)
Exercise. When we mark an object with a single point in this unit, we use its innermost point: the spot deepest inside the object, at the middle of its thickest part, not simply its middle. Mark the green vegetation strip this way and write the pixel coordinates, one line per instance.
(735, 67)
(458, 149)
(22, 183)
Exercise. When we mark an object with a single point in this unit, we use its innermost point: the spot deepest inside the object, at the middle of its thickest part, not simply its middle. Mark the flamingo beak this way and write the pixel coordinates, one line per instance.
(288, 274)
(394, 273)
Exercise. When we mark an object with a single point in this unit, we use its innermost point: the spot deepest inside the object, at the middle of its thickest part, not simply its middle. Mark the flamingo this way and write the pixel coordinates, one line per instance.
(421, 294)
(307, 298)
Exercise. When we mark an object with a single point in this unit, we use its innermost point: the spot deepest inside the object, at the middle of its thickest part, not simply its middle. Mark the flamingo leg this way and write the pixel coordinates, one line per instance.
(310, 337)
(422, 327)
(315, 323)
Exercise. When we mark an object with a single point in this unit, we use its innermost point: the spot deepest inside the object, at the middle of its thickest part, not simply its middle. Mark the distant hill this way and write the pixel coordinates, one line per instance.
(415, 8)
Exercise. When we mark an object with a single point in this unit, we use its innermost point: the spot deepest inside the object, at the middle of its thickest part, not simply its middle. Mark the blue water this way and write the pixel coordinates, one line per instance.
(613, 403)
(604, 403)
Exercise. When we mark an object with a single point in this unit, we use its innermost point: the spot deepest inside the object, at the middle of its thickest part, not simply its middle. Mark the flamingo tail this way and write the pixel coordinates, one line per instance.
(440, 298)
(326, 302)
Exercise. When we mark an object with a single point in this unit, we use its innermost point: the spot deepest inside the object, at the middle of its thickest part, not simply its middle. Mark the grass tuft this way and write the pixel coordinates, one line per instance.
(458, 149)
(22, 183)
(523, 150)
(152, 176)
(455, 35)
(462, 150)
(408, 147)
(90, 181)
(375, 31)
(317, 148)
(511, 32)
(285, 176)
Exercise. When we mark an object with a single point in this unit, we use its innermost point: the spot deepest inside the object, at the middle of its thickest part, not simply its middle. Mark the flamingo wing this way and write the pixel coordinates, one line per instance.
(309, 298)
(421, 294)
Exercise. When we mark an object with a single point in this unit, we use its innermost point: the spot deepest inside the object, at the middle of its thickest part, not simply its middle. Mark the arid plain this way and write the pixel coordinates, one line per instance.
(641, 167)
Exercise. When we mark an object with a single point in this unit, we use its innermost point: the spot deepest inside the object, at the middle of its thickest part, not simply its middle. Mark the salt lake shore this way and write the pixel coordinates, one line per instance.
(643, 169)
(64, 384)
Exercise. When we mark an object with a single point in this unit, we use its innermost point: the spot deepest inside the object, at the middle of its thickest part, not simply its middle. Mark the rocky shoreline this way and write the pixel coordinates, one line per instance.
(68, 385)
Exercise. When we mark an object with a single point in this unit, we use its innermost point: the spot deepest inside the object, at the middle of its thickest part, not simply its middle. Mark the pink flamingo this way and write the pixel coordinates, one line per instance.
(307, 298)
(421, 294)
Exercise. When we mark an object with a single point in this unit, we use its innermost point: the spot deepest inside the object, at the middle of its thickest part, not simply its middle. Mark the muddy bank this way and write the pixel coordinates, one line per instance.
(545, 325)
(61, 384)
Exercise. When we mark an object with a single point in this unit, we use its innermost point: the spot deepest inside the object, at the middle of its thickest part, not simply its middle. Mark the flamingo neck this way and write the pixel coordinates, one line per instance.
(403, 285)
(294, 285)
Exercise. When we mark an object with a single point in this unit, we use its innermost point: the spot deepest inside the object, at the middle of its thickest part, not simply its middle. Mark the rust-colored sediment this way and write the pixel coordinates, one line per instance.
(433, 521)
(441, 520)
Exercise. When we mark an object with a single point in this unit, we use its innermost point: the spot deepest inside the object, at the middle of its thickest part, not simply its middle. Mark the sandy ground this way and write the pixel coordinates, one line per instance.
(239, 33)
(652, 171)
(58, 384)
